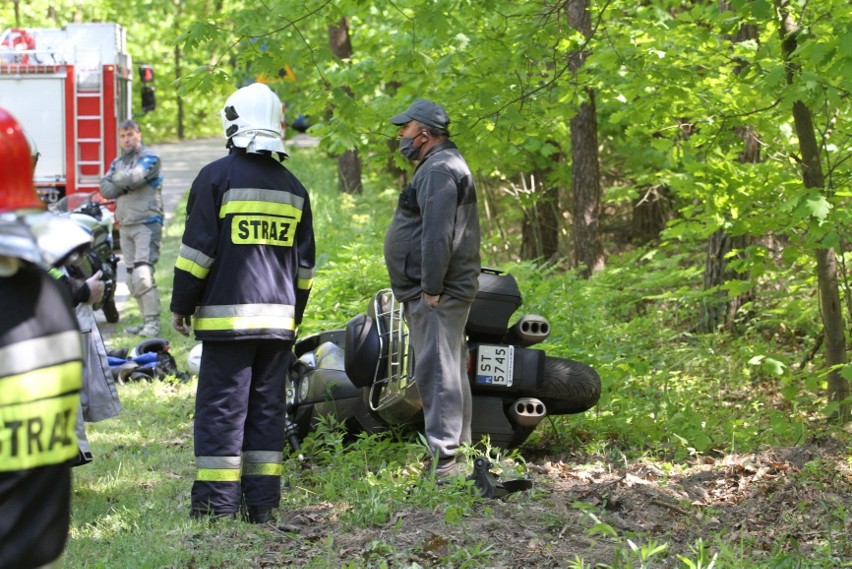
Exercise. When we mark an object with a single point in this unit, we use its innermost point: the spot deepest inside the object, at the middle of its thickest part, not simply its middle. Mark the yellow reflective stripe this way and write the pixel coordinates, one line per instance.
(193, 262)
(194, 269)
(262, 463)
(262, 469)
(38, 433)
(46, 351)
(245, 317)
(245, 323)
(217, 468)
(42, 383)
(305, 280)
(261, 309)
(217, 474)
(55, 273)
(258, 200)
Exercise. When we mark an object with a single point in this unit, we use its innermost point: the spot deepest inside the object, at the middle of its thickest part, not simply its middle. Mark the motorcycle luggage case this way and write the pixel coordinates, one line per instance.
(496, 301)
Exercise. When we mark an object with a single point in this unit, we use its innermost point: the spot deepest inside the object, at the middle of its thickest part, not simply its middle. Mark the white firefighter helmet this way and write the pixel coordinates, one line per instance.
(193, 361)
(252, 119)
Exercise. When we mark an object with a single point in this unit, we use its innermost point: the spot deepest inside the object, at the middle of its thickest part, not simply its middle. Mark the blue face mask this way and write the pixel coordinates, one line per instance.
(407, 148)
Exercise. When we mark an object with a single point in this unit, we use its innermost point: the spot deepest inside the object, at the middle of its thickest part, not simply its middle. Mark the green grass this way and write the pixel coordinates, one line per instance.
(670, 396)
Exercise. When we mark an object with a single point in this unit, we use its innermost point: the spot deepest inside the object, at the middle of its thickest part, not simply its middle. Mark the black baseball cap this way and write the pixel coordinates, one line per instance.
(425, 112)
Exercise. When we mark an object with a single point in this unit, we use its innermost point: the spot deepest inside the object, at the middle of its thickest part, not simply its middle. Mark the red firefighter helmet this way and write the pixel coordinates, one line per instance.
(16, 184)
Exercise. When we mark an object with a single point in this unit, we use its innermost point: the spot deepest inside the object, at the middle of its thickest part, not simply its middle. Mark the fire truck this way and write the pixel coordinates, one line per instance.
(69, 88)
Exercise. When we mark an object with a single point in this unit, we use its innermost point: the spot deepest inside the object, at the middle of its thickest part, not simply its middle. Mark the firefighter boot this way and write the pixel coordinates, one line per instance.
(258, 515)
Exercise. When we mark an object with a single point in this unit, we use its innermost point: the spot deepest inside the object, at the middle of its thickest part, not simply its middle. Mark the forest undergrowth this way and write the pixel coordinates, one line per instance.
(705, 449)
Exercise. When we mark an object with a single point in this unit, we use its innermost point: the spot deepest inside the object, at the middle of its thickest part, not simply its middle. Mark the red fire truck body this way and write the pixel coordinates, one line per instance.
(69, 88)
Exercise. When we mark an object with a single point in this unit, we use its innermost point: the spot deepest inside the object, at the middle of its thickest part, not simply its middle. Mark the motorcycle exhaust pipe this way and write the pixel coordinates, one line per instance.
(528, 330)
(527, 412)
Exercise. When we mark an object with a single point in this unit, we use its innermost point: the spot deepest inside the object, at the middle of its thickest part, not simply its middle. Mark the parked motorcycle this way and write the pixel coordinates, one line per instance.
(365, 374)
(94, 216)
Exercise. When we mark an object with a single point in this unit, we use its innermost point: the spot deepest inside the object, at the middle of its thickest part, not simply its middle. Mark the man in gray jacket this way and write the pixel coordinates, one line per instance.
(135, 181)
(432, 254)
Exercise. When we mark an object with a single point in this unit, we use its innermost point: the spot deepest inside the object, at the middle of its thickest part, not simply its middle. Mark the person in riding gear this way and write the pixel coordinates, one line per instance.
(135, 181)
(41, 365)
(242, 280)
(432, 254)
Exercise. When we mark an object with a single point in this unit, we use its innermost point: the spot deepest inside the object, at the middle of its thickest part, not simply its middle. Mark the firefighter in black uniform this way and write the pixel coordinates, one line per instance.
(242, 280)
(40, 365)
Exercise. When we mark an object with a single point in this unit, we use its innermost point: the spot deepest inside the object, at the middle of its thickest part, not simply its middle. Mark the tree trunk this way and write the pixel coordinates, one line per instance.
(717, 309)
(585, 168)
(650, 214)
(540, 230)
(349, 172)
(813, 177)
(180, 122)
(348, 163)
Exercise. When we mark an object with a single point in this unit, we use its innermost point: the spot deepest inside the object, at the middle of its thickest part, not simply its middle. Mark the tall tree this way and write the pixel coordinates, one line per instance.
(348, 163)
(181, 130)
(585, 166)
(826, 257)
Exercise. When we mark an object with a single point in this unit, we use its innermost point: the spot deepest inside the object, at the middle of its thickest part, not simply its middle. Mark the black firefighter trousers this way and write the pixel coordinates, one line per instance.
(239, 425)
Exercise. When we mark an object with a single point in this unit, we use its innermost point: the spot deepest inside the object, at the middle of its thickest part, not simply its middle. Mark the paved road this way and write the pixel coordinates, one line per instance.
(181, 163)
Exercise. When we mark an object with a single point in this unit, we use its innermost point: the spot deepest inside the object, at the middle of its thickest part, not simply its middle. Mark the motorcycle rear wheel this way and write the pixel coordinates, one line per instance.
(110, 311)
(568, 386)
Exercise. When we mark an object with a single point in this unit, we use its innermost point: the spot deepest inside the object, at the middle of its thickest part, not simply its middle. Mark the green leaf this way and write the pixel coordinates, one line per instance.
(762, 10)
(819, 207)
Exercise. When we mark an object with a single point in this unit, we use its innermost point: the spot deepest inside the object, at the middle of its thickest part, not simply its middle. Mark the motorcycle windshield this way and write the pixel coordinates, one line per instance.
(75, 202)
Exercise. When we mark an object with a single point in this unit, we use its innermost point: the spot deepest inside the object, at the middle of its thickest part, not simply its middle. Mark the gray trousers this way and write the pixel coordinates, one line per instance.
(440, 372)
(140, 245)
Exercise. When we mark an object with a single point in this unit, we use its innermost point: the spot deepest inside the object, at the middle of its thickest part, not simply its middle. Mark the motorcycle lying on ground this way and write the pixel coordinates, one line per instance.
(365, 374)
(95, 217)
(149, 359)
